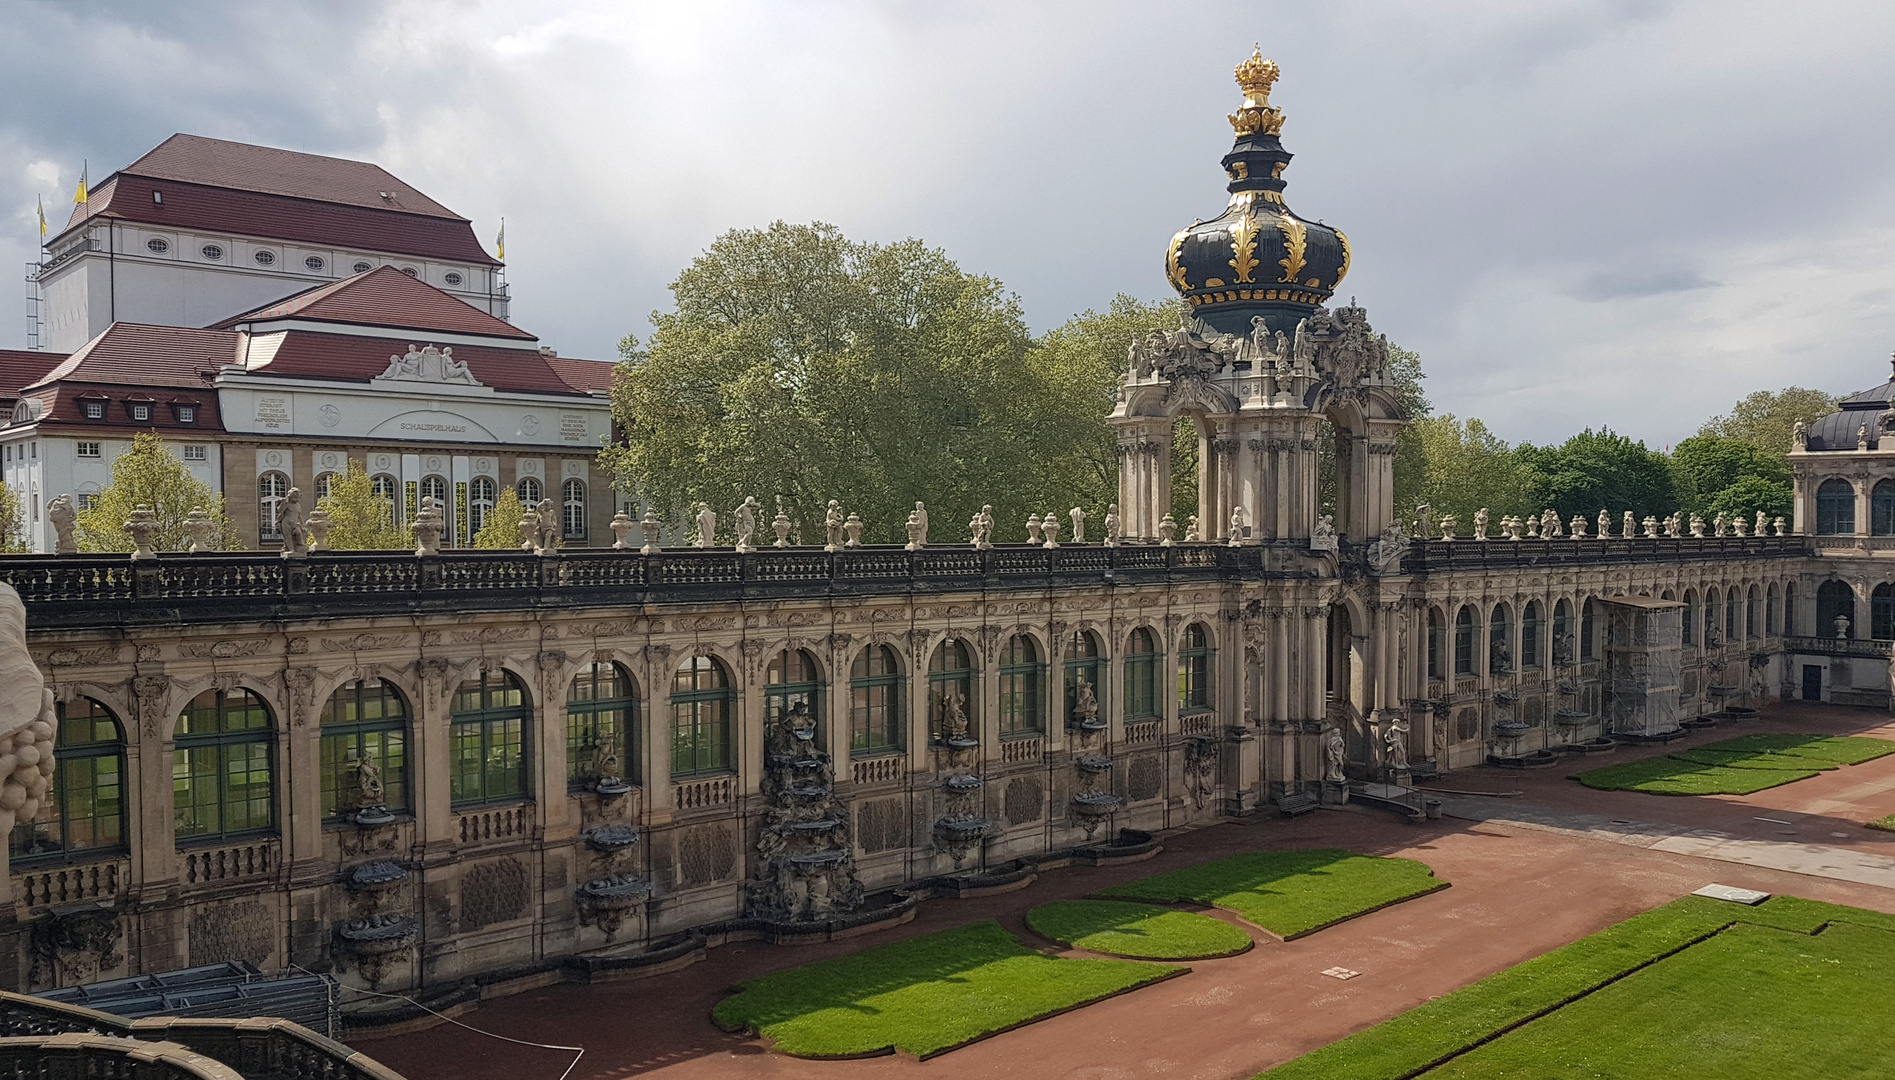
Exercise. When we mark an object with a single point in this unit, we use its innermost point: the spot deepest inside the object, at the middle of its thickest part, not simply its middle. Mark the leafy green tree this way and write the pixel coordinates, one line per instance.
(149, 474)
(1705, 466)
(801, 364)
(1457, 467)
(1600, 470)
(359, 519)
(502, 530)
(12, 522)
(1767, 419)
(1748, 495)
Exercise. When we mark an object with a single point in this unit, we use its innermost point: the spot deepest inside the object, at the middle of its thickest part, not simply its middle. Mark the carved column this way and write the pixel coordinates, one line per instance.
(301, 765)
(154, 844)
(1863, 504)
(549, 738)
(655, 763)
(432, 796)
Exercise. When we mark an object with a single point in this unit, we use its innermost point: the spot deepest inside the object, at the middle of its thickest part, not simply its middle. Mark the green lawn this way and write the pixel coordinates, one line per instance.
(1882, 823)
(1737, 766)
(1136, 930)
(1649, 1034)
(1290, 893)
(925, 995)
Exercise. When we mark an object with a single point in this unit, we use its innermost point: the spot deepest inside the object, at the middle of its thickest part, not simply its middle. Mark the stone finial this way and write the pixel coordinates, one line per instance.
(1167, 530)
(143, 528)
(1739, 527)
(1651, 525)
(1049, 528)
(621, 527)
(427, 526)
(1448, 524)
(1033, 530)
(197, 529)
(529, 527)
(1697, 525)
(780, 525)
(853, 527)
(650, 528)
(1578, 526)
(319, 525)
(1781, 531)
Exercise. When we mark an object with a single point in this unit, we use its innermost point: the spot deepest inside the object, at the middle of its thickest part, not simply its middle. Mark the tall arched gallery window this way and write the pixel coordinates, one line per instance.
(1194, 670)
(792, 682)
(1835, 508)
(387, 490)
(1022, 700)
(701, 698)
(953, 707)
(1530, 636)
(83, 811)
(488, 740)
(1464, 641)
(1499, 641)
(272, 489)
(1141, 676)
(1082, 669)
(1882, 613)
(1690, 618)
(364, 721)
(1882, 508)
(1835, 600)
(1435, 644)
(601, 726)
(222, 772)
(875, 701)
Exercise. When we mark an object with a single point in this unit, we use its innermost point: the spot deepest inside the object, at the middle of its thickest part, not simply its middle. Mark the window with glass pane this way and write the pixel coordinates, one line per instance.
(530, 491)
(364, 721)
(1836, 600)
(1836, 508)
(1710, 618)
(1434, 643)
(601, 719)
(487, 740)
(1690, 617)
(1562, 632)
(701, 698)
(272, 489)
(875, 701)
(1194, 670)
(1082, 670)
(792, 682)
(1733, 629)
(951, 698)
(1772, 613)
(1789, 610)
(1882, 508)
(83, 810)
(221, 771)
(384, 487)
(1141, 676)
(1022, 704)
(1882, 613)
(1464, 642)
(1530, 636)
(1586, 647)
(480, 499)
(1499, 637)
(1752, 602)
(573, 505)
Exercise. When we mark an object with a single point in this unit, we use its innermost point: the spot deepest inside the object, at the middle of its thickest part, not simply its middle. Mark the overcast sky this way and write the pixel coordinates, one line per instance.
(1580, 213)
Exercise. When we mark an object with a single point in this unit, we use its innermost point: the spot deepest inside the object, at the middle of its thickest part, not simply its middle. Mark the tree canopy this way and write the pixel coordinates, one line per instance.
(502, 530)
(359, 519)
(1766, 419)
(1600, 470)
(149, 474)
(1457, 467)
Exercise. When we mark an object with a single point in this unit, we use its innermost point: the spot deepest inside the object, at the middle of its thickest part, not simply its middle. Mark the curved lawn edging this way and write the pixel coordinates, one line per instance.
(1290, 894)
(1740, 766)
(1137, 931)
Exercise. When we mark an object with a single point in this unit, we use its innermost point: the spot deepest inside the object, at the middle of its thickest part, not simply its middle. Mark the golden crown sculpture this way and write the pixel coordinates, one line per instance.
(1255, 77)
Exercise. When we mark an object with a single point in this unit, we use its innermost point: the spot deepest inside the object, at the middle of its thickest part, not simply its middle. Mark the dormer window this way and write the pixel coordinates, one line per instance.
(94, 410)
(187, 414)
(411, 271)
(141, 411)
(22, 412)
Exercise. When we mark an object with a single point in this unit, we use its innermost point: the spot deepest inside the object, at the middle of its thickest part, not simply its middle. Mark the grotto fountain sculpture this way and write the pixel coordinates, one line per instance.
(805, 867)
(1093, 802)
(960, 826)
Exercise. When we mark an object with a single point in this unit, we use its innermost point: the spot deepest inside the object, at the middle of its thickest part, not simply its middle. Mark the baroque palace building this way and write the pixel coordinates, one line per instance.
(438, 771)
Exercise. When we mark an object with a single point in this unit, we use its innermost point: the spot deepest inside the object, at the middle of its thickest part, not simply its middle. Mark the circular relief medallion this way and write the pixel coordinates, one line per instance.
(274, 457)
(383, 461)
(434, 464)
(530, 424)
(483, 465)
(328, 461)
(331, 416)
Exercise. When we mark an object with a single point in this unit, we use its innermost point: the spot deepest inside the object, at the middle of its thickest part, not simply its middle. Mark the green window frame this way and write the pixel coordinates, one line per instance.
(1530, 636)
(488, 741)
(1464, 641)
(951, 670)
(1022, 699)
(223, 775)
(365, 719)
(1500, 642)
(1690, 636)
(875, 725)
(1434, 643)
(1141, 676)
(601, 705)
(792, 678)
(1588, 648)
(701, 702)
(82, 813)
(1194, 670)
(1083, 661)
(1836, 508)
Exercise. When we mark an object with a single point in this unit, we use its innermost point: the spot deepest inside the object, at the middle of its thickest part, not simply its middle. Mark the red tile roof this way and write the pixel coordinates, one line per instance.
(312, 355)
(583, 375)
(62, 403)
(213, 186)
(22, 367)
(384, 297)
(139, 354)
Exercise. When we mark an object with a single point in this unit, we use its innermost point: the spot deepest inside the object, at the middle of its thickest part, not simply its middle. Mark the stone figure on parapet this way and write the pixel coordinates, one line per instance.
(833, 537)
(747, 524)
(1763, 523)
(1799, 436)
(29, 723)
(1717, 525)
(1239, 526)
(1323, 536)
(1395, 745)
(61, 513)
(1335, 754)
(429, 365)
(1078, 517)
(917, 527)
(1385, 554)
(1480, 524)
(529, 528)
(1605, 525)
(1549, 525)
(292, 522)
(982, 528)
(1578, 525)
(706, 525)
(1631, 526)
(547, 540)
(1424, 521)
(1112, 526)
(1192, 535)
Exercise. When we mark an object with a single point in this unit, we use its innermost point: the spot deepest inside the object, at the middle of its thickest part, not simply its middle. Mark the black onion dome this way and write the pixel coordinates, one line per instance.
(1257, 258)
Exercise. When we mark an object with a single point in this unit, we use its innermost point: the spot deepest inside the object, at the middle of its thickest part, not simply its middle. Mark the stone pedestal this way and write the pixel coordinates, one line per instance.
(1334, 792)
(1243, 772)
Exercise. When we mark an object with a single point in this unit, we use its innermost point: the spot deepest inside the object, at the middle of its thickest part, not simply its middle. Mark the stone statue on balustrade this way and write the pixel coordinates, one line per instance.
(1192, 535)
(1323, 536)
(1112, 526)
(1078, 518)
(981, 528)
(293, 522)
(1763, 524)
(548, 539)
(1718, 524)
(1605, 525)
(1549, 525)
(1395, 745)
(706, 525)
(1424, 521)
(1480, 524)
(1385, 554)
(1799, 436)
(1335, 755)
(747, 524)
(832, 519)
(1239, 526)
(1578, 525)
(61, 513)
(917, 527)
(1631, 526)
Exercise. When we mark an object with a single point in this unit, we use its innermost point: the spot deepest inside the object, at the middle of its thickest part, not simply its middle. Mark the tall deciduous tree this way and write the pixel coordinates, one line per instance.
(12, 522)
(1767, 419)
(502, 530)
(801, 364)
(359, 519)
(1707, 466)
(149, 474)
(1458, 467)
(1600, 470)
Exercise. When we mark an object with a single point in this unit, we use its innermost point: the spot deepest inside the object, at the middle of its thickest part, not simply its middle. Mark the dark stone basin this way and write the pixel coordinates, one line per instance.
(616, 837)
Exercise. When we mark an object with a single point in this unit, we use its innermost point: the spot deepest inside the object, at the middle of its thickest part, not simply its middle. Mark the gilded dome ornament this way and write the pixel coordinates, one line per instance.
(1296, 244)
(1172, 269)
(1255, 77)
(1243, 248)
(1343, 272)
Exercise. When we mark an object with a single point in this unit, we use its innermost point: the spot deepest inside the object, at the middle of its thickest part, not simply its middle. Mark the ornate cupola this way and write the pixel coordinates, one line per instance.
(1257, 258)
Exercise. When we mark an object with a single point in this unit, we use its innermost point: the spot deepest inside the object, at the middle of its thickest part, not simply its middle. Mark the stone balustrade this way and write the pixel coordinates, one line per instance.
(1440, 556)
(886, 769)
(1196, 724)
(254, 860)
(495, 823)
(36, 887)
(1022, 748)
(1141, 732)
(709, 791)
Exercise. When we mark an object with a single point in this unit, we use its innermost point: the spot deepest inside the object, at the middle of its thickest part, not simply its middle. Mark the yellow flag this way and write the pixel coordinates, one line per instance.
(79, 197)
(41, 204)
(500, 242)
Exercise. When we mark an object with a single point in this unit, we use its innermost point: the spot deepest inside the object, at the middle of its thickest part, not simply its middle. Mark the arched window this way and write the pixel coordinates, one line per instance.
(1690, 618)
(366, 720)
(1194, 670)
(1753, 613)
(875, 702)
(435, 486)
(222, 772)
(322, 485)
(1022, 701)
(386, 489)
(1563, 632)
(1733, 624)
(792, 682)
(1435, 631)
(1464, 641)
(601, 723)
(701, 699)
(1588, 648)
(83, 810)
(1882, 613)
(1835, 508)
(1772, 612)
(272, 489)
(1789, 610)
(1499, 641)
(488, 740)
(530, 491)
(481, 493)
(573, 509)
(953, 709)
(1141, 676)
(1835, 600)
(1082, 669)
(1711, 639)
(1530, 636)
(1882, 508)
